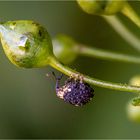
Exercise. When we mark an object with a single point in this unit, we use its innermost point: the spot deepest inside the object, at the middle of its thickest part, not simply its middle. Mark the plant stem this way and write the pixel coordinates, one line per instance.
(131, 14)
(106, 55)
(115, 86)
(127, 35)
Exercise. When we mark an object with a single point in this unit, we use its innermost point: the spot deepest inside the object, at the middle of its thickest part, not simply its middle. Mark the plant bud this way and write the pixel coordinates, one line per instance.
(64, 48)
(101, 7)
(135, 81)
(133, 112)
(26, 43)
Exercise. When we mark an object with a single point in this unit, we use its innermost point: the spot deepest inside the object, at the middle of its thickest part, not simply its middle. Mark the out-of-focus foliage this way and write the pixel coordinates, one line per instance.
(29, 107)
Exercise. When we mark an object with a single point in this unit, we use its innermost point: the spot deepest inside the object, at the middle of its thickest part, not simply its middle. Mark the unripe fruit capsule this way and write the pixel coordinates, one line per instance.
(133, 112)
(135, 81)
(26, 43)
(64, 48)
(101, 7)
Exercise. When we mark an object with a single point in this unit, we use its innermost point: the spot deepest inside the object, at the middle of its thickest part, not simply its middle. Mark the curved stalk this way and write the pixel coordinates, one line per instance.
(115, 86)
(127, 35)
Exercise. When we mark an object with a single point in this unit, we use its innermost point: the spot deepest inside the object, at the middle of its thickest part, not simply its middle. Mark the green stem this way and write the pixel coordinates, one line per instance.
(131, 14)
(127, 35)
(115, 86)
(106, 55)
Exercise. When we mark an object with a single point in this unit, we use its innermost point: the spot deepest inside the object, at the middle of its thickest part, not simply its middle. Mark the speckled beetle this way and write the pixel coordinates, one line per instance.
(74, 91)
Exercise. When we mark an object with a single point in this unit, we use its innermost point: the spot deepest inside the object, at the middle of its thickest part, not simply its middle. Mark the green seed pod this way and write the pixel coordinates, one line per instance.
(135, 81)
(26, 43)
(133, 112)
(101, 7)
(64, 48)
(136, 101)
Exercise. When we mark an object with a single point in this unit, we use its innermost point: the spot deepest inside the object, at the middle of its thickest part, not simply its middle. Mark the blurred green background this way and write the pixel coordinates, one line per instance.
(29, 107)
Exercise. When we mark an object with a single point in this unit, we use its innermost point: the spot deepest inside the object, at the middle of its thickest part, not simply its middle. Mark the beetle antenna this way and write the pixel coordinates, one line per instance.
(54, 76)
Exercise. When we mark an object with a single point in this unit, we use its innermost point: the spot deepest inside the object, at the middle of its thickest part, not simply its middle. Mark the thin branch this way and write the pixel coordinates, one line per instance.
(100, 83)
(106, 55)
